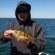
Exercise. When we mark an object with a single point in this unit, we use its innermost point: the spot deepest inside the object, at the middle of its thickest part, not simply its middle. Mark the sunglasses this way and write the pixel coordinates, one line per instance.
(22, 11)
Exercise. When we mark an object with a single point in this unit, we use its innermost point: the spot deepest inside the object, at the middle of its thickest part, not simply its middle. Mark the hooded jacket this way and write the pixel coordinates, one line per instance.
(23, 5)
(17, 48)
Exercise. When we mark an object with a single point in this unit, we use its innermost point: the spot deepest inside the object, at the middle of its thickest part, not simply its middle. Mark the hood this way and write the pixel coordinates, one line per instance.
(23, 4)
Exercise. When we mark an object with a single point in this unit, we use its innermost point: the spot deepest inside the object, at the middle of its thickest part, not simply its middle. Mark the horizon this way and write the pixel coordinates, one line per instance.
(39, 8)
(31, 18)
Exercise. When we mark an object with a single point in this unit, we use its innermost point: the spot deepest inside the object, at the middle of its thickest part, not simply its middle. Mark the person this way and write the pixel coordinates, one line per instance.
(26, 24)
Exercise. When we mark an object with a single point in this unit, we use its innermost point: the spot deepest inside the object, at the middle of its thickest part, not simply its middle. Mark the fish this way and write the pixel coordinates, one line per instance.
(17, 33)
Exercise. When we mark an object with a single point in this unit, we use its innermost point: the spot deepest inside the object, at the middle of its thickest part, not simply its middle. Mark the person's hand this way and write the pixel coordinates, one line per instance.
(24, 39)
(7, 33)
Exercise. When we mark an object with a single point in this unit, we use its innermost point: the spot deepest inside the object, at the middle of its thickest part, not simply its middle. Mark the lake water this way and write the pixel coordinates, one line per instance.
(48, 29)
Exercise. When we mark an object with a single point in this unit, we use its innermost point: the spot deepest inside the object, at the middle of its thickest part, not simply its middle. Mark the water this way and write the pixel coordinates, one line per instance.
(49, 33)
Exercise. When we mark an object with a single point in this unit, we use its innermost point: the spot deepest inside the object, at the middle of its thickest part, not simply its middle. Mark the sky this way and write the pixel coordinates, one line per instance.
(39, 8)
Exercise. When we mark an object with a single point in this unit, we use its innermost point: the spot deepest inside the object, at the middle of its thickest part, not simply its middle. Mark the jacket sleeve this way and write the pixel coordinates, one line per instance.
(40, 41)
(2, 32)
(39, 44)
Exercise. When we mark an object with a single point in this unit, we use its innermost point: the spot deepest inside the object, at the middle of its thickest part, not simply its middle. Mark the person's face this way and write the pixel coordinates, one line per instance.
(23, 14)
